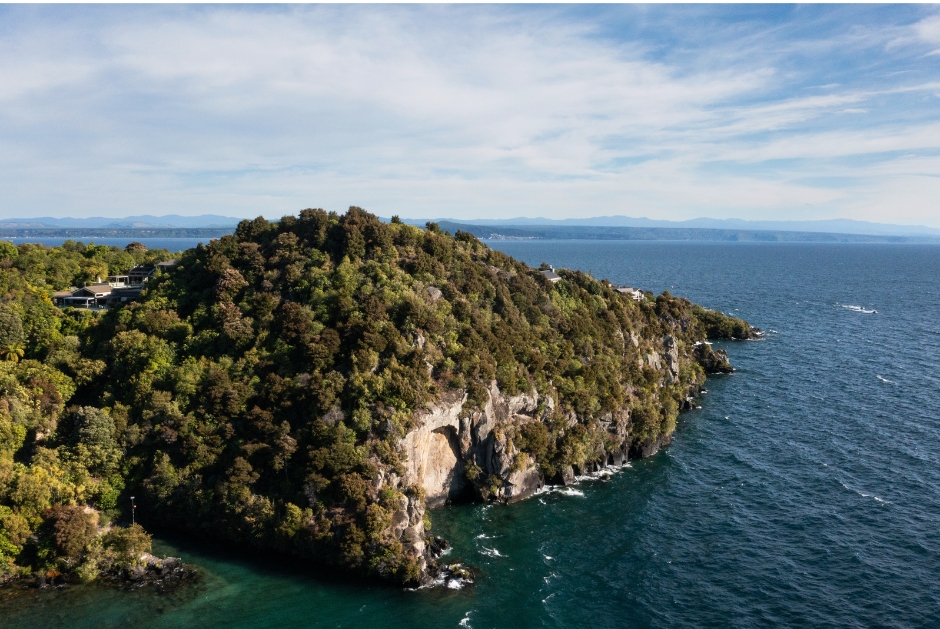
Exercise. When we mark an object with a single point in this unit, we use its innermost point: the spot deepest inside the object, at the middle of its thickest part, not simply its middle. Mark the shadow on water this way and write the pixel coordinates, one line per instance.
(239, 587)
(243, 587)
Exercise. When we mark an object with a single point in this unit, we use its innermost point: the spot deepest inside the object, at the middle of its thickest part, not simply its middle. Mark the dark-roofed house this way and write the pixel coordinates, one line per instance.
(59, 295)
(140, 274)
(95, 296)
(636, 294)
(92, 296)
(117, 289)
(550, 275)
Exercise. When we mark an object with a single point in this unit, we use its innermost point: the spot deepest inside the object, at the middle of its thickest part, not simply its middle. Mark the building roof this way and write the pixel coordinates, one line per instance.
(551, 276)
(95, 289)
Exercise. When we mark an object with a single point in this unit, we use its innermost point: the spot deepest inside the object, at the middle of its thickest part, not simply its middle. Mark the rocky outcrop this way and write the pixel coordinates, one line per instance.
(436, 450)
(458, 451)
(665, 359)
(649, 447)
(521, 484)
(449, 446)
(711, 360)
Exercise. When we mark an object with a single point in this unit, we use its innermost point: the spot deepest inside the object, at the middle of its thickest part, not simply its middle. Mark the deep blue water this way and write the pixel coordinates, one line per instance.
(804, 493)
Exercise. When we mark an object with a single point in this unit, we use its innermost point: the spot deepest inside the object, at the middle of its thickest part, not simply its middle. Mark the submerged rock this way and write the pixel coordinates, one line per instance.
(165, 575)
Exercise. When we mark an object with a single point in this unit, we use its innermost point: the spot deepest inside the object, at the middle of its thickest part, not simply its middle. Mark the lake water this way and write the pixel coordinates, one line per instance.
(804, 492)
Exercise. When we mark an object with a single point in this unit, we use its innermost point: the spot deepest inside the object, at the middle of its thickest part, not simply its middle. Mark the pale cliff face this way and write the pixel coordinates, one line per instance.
(449, 443)
(447, 439)
(434, 460)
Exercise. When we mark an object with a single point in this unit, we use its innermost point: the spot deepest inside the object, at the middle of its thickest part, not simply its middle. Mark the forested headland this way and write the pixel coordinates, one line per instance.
(268, 388)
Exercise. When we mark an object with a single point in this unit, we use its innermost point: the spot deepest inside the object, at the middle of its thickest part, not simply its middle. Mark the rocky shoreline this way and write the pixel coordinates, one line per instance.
(449, 442)
(165, 576)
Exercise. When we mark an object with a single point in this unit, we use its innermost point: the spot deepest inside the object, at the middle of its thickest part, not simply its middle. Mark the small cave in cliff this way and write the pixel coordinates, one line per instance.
(444, 477)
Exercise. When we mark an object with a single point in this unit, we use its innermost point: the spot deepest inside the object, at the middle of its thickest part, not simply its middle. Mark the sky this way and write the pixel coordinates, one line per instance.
(671, 112)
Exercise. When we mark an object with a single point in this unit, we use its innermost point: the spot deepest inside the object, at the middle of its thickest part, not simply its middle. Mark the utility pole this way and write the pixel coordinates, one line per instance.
(133, 506)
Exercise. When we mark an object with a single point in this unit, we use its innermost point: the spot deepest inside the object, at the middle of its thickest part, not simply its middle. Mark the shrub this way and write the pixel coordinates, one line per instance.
(70, 529)
(128, 543)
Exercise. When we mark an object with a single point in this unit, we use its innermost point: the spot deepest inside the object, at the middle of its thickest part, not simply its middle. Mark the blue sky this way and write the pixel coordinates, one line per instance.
(671, 112)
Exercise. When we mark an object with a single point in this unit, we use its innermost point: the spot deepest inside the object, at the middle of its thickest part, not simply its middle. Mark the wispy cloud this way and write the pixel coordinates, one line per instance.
(469, 111)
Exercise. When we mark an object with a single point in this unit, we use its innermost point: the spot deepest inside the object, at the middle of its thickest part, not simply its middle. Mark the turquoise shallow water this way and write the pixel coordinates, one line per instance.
(805, 492)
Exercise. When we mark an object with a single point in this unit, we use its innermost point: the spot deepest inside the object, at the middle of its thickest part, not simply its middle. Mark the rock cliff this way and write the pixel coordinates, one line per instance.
(452, 446)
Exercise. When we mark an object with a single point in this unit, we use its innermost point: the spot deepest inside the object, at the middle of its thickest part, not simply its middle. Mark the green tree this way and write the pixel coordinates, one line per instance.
(12, 352)
(69, 529)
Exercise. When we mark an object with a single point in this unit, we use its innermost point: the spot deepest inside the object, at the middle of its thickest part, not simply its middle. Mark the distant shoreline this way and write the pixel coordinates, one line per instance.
(80, 232)
(690, 234)
(504, 232)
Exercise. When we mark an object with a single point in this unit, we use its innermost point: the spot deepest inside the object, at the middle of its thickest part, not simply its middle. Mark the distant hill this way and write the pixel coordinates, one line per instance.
(131, 222)
(596, 228)
(833, 226)
(561, 231)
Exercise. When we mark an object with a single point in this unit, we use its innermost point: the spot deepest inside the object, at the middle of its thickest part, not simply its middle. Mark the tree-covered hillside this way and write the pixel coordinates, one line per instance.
(57, 461)
(261, 390)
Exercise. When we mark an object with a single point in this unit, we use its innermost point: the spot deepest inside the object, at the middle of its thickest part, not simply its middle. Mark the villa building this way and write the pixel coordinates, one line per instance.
(636, 294)
(117, 289)
(550, 275)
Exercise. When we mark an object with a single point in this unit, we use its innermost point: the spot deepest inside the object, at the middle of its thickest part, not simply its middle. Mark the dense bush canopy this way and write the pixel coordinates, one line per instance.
(60, 467)
(255, 391)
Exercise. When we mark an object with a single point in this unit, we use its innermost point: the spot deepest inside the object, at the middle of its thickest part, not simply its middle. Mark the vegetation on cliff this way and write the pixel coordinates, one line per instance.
(259, 390)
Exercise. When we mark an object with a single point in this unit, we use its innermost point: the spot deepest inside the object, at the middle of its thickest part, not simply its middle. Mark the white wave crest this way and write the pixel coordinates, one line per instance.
(864, 495)
(858, 309)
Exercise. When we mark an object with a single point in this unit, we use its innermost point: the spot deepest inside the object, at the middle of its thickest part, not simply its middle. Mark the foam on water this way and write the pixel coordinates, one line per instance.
(859, 309)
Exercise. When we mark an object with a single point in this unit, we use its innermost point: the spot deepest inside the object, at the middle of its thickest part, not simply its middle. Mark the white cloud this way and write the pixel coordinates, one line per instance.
(928, 29)
(464, 111)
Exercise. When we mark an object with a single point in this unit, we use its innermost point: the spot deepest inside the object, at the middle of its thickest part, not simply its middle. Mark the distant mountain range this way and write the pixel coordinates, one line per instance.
(130, 222)
(832, 226)
(596, 228)
(696, 234)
